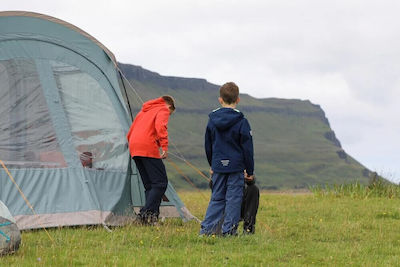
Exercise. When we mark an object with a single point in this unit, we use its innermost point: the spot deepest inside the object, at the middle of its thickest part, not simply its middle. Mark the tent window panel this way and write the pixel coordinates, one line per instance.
(27, 136)
(99, 138)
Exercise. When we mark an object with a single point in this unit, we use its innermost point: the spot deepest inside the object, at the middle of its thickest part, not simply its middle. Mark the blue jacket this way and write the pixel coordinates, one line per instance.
(228, 142)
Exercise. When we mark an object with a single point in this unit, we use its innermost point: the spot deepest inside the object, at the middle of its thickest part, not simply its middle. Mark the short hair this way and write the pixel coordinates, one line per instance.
(170, 101)
(229, 92)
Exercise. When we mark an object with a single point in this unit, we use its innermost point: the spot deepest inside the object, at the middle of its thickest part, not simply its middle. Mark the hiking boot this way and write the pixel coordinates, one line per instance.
(152, 219)
(248, 227)
(140, 218)
(249, 230)
(148, 218)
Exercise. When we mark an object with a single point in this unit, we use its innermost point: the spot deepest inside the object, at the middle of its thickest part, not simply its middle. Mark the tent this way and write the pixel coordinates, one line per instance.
(63, 120)
(10, 236)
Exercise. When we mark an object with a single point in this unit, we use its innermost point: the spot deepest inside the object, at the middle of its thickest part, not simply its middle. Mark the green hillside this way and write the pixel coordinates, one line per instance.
(294, 144)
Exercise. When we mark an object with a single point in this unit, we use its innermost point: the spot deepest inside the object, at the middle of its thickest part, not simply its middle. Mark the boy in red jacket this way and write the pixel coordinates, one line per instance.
(146, 136)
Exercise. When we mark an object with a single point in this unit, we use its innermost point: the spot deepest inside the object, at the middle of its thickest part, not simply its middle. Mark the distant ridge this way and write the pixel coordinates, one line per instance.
(295, 146)
(142, 75)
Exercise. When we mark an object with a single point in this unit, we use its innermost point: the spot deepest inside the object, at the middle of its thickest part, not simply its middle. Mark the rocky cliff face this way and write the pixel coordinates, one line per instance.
(295, 146)
(330, 135)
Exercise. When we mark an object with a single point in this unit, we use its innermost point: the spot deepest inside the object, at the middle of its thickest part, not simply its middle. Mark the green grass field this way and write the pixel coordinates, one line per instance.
(292, 229)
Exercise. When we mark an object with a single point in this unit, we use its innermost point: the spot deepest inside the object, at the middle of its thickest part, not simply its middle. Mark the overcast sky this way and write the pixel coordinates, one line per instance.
(342, 55)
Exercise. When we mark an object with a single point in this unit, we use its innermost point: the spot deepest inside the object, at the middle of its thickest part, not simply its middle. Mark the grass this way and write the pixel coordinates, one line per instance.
(292, 230)
(376, 188)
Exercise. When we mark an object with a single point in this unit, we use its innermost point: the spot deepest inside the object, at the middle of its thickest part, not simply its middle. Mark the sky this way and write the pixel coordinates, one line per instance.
(341, 55)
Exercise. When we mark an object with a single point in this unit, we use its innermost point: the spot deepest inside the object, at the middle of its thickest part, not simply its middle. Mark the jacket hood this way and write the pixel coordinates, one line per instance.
(224, 118)
(154, 103)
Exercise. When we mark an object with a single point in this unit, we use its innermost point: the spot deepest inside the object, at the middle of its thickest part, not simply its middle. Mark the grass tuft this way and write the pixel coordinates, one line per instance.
(377, 188)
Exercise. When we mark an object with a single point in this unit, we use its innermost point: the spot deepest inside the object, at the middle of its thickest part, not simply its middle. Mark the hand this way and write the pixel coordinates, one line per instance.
(210, 183)
(248, 178)
(164, 154)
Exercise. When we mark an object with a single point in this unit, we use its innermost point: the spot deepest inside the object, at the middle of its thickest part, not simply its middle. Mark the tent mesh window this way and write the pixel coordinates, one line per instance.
(98, 136)
(27, 136)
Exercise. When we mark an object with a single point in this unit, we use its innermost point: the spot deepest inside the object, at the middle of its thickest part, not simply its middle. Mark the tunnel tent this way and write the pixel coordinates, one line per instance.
(62, 128)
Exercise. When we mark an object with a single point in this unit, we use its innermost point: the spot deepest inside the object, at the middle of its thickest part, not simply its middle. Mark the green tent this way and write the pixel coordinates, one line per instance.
(63, 120)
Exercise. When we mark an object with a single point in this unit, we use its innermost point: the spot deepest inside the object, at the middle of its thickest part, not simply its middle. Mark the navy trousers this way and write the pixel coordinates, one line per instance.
(155, 182)
(250, 203)
(225, 204)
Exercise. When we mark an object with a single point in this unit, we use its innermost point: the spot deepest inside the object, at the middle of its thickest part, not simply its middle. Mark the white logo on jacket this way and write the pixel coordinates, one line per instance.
(225, 162)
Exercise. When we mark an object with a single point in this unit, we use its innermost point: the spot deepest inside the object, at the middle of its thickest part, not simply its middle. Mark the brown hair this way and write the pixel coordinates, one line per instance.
(229, 92)
(170, 101)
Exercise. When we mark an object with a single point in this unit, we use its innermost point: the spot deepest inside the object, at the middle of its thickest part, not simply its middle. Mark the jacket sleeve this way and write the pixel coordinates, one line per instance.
(161, 125)
(246, 142)
(208, 144)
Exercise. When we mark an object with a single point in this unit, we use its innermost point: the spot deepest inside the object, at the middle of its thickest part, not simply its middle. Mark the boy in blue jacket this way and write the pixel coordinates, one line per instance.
(229, 150)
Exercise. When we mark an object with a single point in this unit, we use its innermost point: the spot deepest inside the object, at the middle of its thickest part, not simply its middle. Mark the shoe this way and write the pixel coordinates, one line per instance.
(148, 218)
(248, 229)
(139, 218)
(152, 219)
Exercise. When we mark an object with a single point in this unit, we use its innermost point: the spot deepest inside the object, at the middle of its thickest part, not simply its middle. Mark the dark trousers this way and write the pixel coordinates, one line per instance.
(249, 208)
(223, 212)
(155, 182)
(251, 199)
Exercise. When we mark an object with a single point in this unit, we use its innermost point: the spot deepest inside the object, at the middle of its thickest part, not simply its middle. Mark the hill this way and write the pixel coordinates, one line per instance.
(295, 146)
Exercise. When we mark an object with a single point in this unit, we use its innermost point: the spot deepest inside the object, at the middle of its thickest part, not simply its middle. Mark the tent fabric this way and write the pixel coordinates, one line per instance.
(62, 128)
(5, 213)
(64, 23)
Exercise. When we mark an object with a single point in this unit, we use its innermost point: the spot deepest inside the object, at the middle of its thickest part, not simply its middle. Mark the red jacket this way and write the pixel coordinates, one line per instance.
(148, 131)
